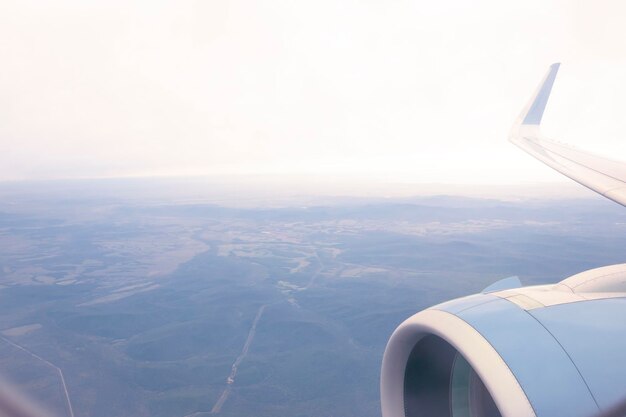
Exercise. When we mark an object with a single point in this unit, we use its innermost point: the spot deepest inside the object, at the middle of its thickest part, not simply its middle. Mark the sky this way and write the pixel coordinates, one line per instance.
(393, 90)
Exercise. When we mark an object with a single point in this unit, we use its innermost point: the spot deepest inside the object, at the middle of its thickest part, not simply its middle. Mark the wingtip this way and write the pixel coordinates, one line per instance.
(538, 103)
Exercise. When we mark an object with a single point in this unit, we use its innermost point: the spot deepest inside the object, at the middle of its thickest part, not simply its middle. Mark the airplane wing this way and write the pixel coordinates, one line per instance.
(603, 175)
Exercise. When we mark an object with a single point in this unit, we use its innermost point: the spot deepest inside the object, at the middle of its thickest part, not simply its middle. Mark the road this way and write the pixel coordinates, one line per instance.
(60, 372)
(233, 372)
(246, 347)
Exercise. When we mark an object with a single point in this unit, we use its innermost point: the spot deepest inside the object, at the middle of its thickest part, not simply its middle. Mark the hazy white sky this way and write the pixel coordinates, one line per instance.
(415, 91)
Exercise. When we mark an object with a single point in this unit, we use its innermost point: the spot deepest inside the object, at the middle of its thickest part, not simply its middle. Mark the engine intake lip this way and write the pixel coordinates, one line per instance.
(483, 358)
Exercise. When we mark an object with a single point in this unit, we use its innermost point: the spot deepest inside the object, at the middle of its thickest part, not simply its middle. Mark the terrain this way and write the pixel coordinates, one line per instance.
(126, 304)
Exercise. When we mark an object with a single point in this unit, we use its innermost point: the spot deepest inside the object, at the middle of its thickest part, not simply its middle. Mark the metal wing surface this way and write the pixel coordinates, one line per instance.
(603, 175)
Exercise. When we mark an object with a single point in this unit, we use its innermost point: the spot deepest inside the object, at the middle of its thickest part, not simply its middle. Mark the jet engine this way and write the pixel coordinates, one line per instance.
(512, 351)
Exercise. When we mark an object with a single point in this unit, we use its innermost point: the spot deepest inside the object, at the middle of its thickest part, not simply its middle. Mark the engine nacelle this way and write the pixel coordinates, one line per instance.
(545, 351)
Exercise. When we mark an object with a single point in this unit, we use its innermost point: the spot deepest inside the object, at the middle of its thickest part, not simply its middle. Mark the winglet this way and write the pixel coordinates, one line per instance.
(603, 175)
(533, 112)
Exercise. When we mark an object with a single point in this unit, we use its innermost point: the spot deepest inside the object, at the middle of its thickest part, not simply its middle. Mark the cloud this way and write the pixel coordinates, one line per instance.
(397, 88)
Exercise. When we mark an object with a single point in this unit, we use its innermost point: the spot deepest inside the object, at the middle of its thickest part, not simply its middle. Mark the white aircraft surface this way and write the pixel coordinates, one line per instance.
(554, 350)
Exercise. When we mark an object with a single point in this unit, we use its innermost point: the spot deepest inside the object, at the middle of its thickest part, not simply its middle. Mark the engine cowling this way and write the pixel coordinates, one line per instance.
(546, 351)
